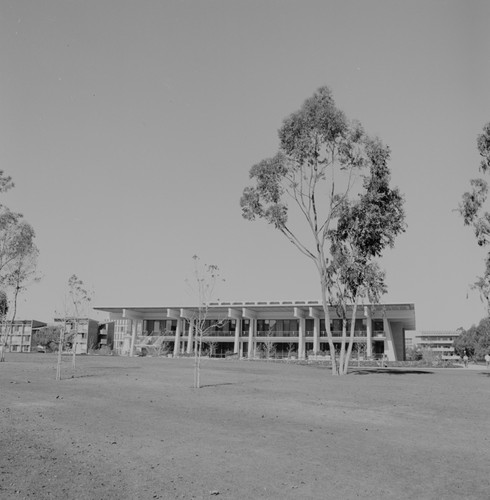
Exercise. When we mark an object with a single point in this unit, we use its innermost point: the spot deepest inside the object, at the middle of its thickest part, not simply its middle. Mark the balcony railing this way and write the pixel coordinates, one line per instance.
(285, 333)
(338, 333)
(379, 334)
(310, 334)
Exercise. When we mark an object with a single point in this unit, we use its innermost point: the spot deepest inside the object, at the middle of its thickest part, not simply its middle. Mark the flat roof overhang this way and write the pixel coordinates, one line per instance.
(403, 313)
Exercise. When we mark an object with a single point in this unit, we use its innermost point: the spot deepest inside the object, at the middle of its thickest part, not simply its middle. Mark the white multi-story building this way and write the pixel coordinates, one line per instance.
(439, 342)
(18, 335)
(241, 327)
(123, 328)
(84, 331)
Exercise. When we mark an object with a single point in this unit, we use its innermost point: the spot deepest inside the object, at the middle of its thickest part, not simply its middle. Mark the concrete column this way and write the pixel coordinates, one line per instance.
(190, 339)
(177, 337)
(134, 327)
(316, 335)
(389, 343)
(238, 332)
(301, 339)
(251, 331)
(301, 314)
(369, 332)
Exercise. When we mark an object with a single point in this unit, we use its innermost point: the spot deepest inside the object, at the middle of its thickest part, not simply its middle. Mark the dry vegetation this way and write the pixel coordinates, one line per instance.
(134, 428)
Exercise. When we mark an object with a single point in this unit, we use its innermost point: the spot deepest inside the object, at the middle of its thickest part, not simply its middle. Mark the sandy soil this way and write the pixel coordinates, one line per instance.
(134, 428)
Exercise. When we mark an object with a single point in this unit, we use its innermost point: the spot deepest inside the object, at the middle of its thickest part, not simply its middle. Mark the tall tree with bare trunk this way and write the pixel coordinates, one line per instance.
(327, 191)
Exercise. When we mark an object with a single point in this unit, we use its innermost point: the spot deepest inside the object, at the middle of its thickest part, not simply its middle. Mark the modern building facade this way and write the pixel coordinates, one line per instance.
(439, 342)
(123, 328)
(243, 327)
(105, 337)
(19, 336)
(85, 333)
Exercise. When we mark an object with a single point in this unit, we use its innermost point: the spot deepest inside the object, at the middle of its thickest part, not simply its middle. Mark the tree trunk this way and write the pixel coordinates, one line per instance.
(351, 338)
(326, 313)
(197, 362)
(3, 339)
(342, 346)
(60, 348)
(74, 347)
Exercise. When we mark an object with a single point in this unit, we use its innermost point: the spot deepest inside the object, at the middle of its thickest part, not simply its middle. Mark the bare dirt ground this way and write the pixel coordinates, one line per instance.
(134, 428)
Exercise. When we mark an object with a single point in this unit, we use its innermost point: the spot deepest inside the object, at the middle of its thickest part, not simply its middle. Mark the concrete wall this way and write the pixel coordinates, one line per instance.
(398, 339)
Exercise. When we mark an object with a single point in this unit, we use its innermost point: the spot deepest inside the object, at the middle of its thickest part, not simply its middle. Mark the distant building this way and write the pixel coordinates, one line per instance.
(84, 332)
(245, 326)
(106, 335)
(20, 334)
(439, 342)
(122, 334)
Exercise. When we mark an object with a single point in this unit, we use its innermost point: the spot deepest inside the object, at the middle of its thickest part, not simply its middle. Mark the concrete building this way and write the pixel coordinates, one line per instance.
(123, 328)
(106, 335)
(242, 327)
(87, 336)
(20, 334)
(439, 342)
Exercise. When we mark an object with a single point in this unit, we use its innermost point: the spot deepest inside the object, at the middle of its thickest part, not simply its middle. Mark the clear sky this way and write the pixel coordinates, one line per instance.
(129, 128)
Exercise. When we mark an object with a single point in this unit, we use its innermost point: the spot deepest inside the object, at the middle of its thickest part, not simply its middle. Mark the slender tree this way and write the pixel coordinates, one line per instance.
(22, 273)
(18, 261)
(472, 210)
(203, 284)
(80, 297)
(18, 257)
(337, 179)
(4, 306)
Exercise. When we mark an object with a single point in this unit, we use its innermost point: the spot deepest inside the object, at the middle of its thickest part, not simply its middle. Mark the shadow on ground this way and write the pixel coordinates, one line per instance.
(216, 385)
(391, 371)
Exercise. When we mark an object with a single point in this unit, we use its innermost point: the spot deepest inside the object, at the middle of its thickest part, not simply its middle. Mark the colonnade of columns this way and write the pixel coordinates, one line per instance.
(186, 328)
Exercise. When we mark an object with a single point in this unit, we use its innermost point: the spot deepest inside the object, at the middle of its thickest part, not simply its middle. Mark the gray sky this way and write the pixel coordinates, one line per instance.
(129, 128)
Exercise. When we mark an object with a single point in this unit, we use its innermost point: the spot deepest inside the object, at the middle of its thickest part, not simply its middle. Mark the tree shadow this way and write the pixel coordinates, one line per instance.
(216, 385)
(391, 371)
(485, 374)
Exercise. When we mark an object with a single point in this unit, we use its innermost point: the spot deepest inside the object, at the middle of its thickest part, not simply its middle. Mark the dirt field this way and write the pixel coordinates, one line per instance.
(134, 428)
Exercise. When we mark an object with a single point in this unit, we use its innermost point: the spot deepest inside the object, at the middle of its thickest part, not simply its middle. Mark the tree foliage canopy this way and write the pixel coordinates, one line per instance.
(475, 341)
(472, 210)
(337, 178)
(47, 336)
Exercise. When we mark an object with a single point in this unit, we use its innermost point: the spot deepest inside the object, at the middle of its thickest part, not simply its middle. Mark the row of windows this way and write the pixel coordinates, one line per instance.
(263, 325)
(16, 329)
(18, 348)
(436, 339)
(335, 325)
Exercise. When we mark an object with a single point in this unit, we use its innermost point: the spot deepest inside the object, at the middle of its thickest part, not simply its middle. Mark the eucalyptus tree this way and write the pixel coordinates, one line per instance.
(327, 191)
(472, 209)
(6, 182)
(16, 239)
(22, 273)
(18, 258)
